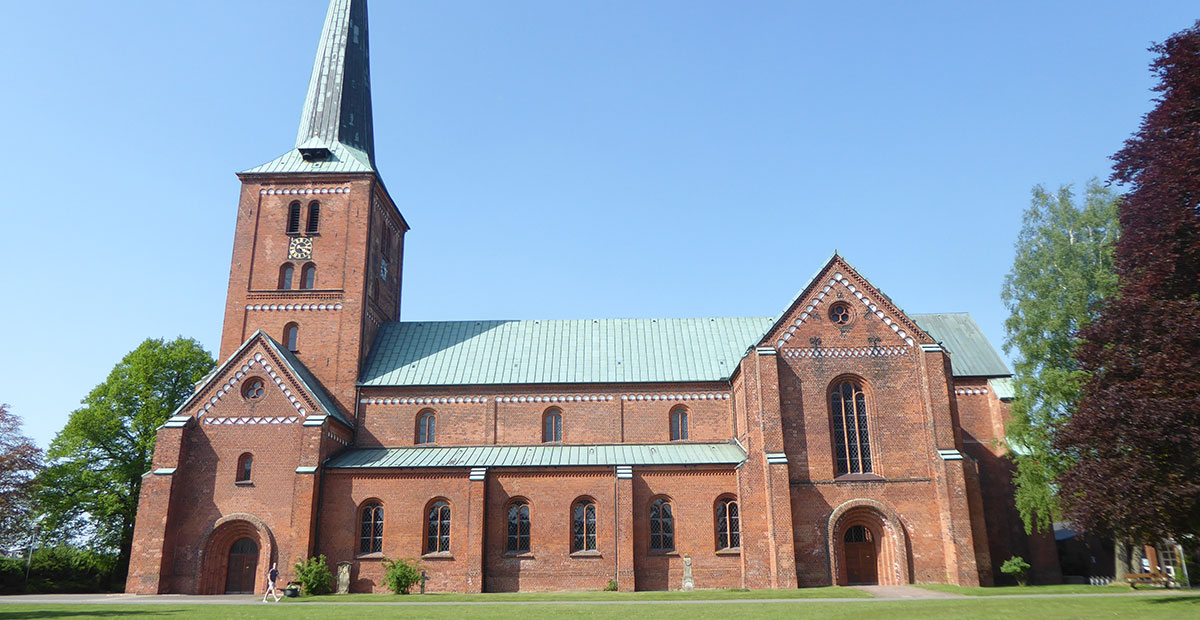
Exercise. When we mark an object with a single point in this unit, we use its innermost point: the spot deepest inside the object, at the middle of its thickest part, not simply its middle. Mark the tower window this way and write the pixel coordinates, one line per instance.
(253, 389)
(291, 337)
(314, 218)
(840, 313)
(851, 442)
(285, 276)
(308, 276)
(293, 221)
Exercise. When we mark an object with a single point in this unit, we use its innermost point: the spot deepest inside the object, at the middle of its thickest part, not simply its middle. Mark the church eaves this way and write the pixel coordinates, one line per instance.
(336, 132)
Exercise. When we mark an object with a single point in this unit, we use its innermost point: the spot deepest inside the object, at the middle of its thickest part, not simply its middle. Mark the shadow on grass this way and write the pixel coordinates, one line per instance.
(83, 612)
(1178, 599)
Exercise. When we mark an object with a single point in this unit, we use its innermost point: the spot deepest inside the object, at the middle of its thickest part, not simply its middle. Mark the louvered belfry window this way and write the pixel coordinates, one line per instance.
(314, 218)
(851, 441)
(371, 538)
(293, 221)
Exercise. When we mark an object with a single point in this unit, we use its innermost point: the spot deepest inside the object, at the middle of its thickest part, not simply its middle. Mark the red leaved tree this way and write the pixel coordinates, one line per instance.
(20, 461)
(1136, 434)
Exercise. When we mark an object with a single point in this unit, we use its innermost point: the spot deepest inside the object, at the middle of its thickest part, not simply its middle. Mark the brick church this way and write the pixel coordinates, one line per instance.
(841, 441)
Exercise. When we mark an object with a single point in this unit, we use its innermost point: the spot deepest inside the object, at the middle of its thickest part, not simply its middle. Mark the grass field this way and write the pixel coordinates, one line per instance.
(1141, 607)
(1027, 590)
(660, 595)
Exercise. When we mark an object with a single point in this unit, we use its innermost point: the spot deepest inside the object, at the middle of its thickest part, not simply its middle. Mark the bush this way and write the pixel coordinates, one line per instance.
(65, 569)
(612, 586)
(12, 576)
(401, 575)
(1017, 567)
(314, 576)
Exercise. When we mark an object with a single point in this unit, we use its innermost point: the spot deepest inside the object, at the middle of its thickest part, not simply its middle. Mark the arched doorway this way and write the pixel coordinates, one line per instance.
(234, 549)
(860, 554)
(242, 567)
(867, 545)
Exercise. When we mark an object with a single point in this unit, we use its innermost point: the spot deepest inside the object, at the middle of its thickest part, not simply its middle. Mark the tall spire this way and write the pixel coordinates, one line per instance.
(338, 105)
(336, 132)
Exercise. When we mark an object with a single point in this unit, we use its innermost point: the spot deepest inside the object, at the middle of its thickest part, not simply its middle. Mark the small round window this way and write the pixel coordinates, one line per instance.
(253, 389)
(840, 314)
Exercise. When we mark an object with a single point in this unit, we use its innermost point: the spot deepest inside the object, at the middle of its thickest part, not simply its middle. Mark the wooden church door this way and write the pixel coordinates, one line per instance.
(860, 556)
(243, 564)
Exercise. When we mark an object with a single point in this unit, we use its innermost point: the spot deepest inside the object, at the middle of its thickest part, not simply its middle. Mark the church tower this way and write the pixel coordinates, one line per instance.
(319, 243)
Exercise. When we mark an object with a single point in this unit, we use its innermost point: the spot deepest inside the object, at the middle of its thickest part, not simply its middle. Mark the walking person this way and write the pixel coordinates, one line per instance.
(272, 575)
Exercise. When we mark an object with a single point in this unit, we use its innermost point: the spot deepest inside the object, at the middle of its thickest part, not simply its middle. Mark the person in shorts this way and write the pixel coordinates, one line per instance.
(272, 575)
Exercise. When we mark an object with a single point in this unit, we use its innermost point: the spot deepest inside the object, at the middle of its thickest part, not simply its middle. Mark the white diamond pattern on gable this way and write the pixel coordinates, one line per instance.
(839, 279)
(259, 359)
(251, 420)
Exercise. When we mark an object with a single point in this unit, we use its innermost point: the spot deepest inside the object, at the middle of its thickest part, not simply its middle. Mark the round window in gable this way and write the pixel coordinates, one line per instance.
(840, 313)
(253, 389)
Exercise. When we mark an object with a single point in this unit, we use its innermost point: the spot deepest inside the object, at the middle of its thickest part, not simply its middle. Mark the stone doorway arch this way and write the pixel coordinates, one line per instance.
(886, 534)
(219, 541)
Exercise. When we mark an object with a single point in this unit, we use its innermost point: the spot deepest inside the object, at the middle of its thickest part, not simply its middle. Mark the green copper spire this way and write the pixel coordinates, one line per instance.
(336, 133)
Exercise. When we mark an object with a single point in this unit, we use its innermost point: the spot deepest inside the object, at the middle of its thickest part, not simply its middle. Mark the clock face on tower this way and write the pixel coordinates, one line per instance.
(300, 248)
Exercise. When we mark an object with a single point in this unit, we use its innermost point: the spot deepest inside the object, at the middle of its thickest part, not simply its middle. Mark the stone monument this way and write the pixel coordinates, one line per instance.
(343, 578)
(688, 582)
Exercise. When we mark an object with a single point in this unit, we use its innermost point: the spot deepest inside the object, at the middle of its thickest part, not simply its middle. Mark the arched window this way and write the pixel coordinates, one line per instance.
(370, 539)
(291, 337)
(437, 535)
(583, 526)
(244, 467)
(858, 534)
(293, 221)
(285, 276)
(679, 424)
(729, 525)
(427, 427)
(308, 276)
(851, 442)
(314, 217)
(662, 526)
(552, 425)
(518, 527)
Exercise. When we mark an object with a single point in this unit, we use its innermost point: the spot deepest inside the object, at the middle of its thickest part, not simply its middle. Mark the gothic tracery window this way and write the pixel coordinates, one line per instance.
(437, 535)
(518, 527)
(583, 526)
(662, 526)
(729, 527)
(851, 441)
(370, 538)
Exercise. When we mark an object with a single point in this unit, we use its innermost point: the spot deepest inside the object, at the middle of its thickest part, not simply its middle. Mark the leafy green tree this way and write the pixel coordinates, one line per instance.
(1062, 272)
(314, 576)
(90, 489)
(1135, 438)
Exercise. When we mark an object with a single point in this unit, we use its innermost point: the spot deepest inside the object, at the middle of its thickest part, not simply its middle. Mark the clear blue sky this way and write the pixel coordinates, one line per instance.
(555, 159)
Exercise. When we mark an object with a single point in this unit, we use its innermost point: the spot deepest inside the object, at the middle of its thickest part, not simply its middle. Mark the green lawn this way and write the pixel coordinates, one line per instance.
(592, 595)
(1121, 588)
(1140, 607)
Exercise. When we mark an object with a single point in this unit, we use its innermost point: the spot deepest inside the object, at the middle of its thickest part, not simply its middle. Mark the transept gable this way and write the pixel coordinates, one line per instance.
(260, 370)
(885, 329)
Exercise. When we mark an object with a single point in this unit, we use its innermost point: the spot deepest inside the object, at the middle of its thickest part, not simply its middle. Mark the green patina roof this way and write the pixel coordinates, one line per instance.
(557, 351)
(971, 355)
(543, 456)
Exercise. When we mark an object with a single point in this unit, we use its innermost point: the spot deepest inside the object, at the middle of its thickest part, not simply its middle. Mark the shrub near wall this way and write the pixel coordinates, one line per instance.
(59, 570)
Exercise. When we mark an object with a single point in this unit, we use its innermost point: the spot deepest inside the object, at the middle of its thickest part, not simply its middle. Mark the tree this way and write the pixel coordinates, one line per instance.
(20, 461)
(1062, 272)
(99, 457)
(1135, 438)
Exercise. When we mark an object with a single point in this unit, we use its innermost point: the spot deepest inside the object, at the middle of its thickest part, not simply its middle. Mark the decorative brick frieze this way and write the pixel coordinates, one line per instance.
(210, 420)
(845, 352)
(978, 391)
(290, 307)
(303, 191)
(875, 308)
